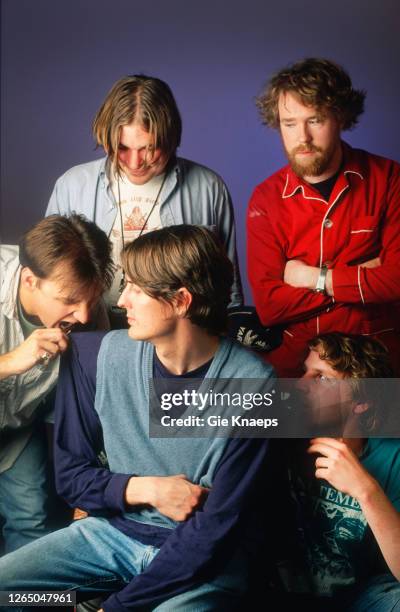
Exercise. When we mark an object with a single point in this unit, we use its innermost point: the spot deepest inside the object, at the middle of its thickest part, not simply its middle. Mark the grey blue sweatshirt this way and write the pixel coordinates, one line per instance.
(102, 400)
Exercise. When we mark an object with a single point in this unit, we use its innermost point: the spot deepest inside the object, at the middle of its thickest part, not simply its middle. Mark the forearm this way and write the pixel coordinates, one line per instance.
(83, 484)
(204, 538)
(81, 477)
(360, 284)
(339, 465)
(277, 300)
(384, 522)
(226, 229)
(173, 496)
(8, 366)
(278, 303)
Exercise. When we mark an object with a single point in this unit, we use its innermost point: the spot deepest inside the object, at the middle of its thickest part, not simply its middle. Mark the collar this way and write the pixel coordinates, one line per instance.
(10, 283)
(351, 166)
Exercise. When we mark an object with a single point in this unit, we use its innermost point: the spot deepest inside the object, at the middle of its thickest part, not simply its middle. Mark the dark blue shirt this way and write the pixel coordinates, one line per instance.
(84, 480)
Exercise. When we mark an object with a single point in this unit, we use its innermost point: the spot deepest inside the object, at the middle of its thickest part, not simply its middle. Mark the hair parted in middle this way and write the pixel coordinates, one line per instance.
(143, 99)
(317, 82)
(165, 260)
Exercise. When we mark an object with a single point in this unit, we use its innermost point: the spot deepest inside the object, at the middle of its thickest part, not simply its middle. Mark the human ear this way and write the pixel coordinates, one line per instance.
(360, 408)
(182, 300)
(28, 279)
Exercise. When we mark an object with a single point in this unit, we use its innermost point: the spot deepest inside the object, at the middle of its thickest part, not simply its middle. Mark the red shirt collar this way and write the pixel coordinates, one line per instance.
(350, 166)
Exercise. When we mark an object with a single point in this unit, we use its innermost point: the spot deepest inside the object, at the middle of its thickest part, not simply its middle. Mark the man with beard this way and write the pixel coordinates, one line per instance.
(323, 232)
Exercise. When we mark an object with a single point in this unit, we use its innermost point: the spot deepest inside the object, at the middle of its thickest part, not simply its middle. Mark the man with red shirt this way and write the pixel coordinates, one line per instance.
(324, 231)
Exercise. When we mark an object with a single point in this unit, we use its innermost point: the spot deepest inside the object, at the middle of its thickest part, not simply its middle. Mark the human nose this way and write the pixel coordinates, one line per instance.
(82, 312)
(303, 383)
(133, 159)
(303, 133)
(122, 299)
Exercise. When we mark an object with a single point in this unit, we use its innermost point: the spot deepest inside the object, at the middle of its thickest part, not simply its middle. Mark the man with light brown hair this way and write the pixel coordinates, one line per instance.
(141, 185)
(173, 520)
(346, 491)
(51, 282)
(324, 231)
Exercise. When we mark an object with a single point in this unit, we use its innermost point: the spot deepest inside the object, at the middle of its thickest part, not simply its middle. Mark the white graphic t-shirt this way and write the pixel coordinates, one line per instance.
(135, 204)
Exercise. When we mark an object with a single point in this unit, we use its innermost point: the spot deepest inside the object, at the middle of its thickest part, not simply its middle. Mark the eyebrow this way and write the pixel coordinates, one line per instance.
(315, 116)
(69, 298)
(150, 145)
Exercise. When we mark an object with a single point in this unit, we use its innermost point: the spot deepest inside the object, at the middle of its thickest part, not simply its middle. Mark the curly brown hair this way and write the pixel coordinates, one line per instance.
(359, 358)
(352, 355)
(319, 83)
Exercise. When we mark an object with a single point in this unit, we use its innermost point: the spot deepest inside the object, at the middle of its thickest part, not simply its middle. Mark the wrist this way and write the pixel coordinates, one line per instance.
(9, 366)
(319, 279)
(368, 491)
(139, 491)
(328, 283)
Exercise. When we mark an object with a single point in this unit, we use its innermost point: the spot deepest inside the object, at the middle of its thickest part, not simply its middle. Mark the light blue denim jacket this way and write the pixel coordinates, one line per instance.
(21, 395)
(191, 194)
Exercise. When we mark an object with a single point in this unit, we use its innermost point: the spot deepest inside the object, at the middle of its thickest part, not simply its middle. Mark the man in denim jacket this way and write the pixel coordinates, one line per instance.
(47, 284)
(141, 185)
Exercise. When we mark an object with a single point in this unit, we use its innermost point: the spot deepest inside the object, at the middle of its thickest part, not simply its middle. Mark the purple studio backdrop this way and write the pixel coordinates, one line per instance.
(60, 57)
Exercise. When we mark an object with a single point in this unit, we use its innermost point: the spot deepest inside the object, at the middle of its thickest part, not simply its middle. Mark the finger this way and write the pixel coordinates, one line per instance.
(48, 347)
(321, 473)
(322, 462)
(63, 344)
(57, 336)
(331, 442)
(50, 334)
(202, 493)
(322, 449)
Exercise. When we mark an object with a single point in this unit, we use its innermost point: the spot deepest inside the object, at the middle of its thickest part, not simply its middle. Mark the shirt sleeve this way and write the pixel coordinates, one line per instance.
(275, 301)
(203, 543)
(226, 231)
(355, 284)
(78, 441)
(58, 203)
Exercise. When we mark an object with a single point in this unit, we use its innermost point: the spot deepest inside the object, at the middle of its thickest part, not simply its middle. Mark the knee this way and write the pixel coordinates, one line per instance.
(10, 564)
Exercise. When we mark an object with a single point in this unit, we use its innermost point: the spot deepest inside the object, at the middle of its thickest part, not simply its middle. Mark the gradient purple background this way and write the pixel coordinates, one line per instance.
(60, 57)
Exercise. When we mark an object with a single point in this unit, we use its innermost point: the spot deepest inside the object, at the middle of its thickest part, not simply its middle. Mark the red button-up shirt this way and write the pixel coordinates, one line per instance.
(289, 219)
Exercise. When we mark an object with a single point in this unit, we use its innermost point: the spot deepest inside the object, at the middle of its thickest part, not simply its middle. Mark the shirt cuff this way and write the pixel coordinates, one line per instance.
(114, 494)
(347, 284)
